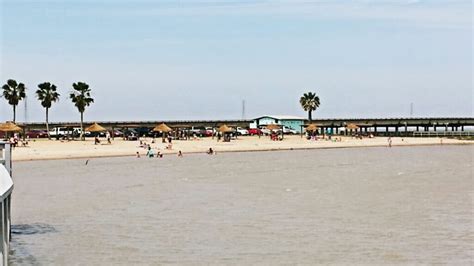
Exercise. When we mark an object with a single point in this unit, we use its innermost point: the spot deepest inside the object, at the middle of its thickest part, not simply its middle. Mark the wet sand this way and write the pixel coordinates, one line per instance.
(43, 149)
(405, 205)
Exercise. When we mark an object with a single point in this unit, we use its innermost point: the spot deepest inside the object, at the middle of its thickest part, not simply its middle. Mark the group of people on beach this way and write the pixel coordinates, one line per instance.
(14, 140)
(107, 136)
(150, 153)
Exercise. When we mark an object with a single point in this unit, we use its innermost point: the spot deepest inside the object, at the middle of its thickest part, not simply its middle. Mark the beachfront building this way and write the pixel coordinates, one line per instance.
(293, 122)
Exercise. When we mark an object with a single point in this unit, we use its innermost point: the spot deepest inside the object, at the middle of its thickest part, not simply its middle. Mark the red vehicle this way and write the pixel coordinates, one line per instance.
(254, 131)
(35, 134)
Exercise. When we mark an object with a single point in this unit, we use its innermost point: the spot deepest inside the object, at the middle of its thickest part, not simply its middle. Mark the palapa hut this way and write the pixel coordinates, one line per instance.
(95, 128)
(351, 127)
(311, 128)
(273, 127)
(225, 130)
(10, 127)
(163, 128)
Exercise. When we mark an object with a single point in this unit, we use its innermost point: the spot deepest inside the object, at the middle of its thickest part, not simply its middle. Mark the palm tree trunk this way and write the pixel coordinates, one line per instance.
(14, 113)
(82, 126)
(310, 117)
(47, 123)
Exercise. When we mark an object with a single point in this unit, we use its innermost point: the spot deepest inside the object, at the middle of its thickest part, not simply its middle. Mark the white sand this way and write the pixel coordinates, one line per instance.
(45, 149)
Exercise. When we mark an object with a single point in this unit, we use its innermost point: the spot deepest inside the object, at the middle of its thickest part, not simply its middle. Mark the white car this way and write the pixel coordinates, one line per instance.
(289, 130)
(242, 131)
(265, 131)
(63, 131)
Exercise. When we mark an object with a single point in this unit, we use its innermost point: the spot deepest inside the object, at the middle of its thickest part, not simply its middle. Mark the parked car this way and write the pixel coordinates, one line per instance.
(210, 131)
(242, 131)
(265, 131)
(130, 134)
(289, 130)
(254, 131)
(35, 134)
(201, 132)
(145, 131)
(59, 132)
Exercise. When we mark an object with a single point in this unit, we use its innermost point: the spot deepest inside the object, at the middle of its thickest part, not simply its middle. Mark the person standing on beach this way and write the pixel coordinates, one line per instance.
(107, 135)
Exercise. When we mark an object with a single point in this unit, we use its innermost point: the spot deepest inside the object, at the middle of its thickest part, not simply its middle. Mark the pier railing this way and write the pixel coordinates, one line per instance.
(6, 187)
(443, 134)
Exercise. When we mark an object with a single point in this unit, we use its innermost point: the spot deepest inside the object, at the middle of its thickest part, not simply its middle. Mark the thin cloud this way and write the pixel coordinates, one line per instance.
(439, 14)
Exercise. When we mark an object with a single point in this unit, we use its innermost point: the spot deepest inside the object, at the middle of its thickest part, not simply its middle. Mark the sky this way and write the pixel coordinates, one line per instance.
(199, 59)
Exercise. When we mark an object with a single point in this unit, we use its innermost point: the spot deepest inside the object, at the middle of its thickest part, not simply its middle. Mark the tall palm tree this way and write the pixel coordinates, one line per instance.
(310, 102)
(81, 97)
(14, 92)
(47, 95)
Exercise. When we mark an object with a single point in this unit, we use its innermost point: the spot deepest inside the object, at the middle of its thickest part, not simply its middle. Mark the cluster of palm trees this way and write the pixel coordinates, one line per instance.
(47, 94)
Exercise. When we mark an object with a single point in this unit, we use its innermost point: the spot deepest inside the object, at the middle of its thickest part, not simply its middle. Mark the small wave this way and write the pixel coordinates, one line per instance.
(32, 229)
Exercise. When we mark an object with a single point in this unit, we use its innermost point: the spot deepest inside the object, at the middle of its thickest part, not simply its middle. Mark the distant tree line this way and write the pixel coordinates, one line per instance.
(47, 94)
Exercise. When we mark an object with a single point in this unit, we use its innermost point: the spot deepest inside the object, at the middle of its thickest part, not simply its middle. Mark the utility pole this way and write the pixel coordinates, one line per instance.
(243, 109)
(26, 109)
(411, 110)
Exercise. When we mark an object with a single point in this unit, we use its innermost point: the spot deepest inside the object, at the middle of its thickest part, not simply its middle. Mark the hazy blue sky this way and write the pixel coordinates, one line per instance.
(197, 59)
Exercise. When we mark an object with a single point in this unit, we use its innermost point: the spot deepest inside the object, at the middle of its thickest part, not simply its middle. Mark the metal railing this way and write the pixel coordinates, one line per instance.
(6, 187)
(443, 134)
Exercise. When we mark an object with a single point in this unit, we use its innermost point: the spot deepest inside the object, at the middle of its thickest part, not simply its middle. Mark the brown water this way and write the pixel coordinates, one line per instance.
(348, 206)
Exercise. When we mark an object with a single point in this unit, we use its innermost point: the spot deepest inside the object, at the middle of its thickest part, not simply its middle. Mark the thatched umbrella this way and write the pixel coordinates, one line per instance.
(312, 127)
(162, 128)
(273, 126)
(10, 127)
(352, 126)
(224, 129)
(95, 128)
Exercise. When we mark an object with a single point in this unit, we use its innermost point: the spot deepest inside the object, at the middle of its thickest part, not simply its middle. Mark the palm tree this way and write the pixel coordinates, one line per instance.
(47, 95)
(14, 92)
(310, 102)
(81, 97)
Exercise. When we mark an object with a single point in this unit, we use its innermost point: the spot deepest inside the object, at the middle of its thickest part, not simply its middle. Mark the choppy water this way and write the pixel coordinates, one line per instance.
(348, 206)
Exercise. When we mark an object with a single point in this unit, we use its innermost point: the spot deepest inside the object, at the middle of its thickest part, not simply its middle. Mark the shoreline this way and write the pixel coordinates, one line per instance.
(263, 149)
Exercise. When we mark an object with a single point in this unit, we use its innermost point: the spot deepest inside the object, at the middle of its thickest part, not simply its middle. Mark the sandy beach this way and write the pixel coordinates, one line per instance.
(42, 149)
